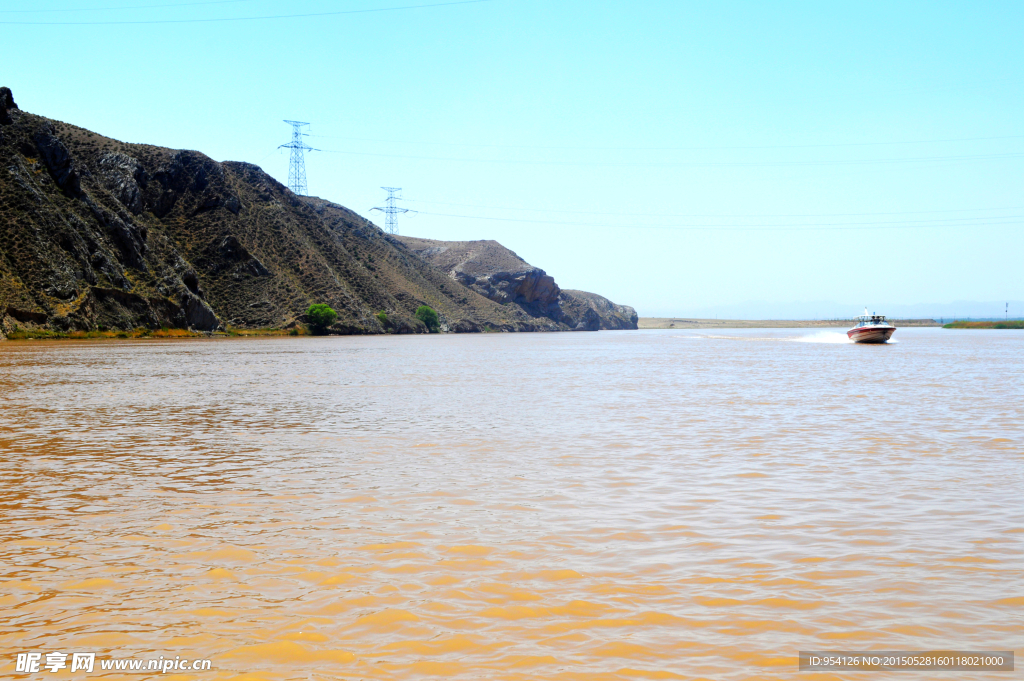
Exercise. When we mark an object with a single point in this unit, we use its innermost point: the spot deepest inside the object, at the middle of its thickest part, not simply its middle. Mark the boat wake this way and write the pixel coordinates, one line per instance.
(833, 337)
(704, 336)
(837, 337)
(826, 337)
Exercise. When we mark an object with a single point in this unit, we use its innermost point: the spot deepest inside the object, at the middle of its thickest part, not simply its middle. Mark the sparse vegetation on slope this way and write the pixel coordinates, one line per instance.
(320, 317)
(429, 317)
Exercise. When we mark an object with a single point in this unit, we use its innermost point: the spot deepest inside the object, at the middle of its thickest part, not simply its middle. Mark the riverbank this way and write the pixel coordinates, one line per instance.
(45, 334)
(1012, 324)
(689, 323)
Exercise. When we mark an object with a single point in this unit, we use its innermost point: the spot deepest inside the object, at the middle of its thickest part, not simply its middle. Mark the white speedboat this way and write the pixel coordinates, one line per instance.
(871, 328)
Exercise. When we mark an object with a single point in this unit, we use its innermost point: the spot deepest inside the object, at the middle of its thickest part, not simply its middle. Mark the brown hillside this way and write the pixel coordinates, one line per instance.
(96, 233)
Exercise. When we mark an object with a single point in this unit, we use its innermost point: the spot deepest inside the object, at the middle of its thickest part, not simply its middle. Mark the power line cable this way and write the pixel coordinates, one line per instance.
(718, 215)
(705, 148)
(104, 9)
(227, 19)
(748, 228)
(691, 164)
(268, 155)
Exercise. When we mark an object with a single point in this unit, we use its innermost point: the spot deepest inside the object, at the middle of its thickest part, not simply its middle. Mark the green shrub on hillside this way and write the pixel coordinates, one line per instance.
(320, 317)
(428, 317)
(382, 317)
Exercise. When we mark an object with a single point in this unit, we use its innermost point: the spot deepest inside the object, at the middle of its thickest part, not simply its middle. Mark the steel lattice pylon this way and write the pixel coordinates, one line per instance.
(390, 210)
(297, 164)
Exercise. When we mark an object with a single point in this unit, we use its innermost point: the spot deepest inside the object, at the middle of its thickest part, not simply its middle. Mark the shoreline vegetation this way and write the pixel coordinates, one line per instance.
(145, 334)
(22, 334)
(691, 323)
(644, 323)
(1011, 324)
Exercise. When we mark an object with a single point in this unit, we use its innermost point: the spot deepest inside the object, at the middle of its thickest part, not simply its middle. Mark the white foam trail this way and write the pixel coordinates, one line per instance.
(828, 337)
(741, 338)
(836, 337)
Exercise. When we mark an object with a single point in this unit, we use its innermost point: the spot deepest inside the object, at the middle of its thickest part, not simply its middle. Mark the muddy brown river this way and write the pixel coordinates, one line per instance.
(613, 505)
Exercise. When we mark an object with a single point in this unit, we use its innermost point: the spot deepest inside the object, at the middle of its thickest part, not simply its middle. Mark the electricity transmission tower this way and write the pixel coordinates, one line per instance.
(297, 164)
(390, 210)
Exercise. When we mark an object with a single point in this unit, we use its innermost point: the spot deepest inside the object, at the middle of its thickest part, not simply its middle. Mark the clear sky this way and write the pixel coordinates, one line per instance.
(731, 158)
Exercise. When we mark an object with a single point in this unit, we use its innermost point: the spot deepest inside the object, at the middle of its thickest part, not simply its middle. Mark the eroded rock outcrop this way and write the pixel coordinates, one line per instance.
(490, 269)
(6, 106)
(125, 178)
(499, 274)
(610, 315)
(62, 165)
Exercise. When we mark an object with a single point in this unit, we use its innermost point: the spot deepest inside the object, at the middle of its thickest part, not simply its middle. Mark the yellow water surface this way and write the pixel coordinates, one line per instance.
(618, 505)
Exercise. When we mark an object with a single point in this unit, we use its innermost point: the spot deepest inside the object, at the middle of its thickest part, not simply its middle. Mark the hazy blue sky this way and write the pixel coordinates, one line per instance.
(681, 157)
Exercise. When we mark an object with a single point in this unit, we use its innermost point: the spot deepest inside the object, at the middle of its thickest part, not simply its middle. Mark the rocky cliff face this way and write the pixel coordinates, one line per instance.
(610, 316)
(494, 272)
(96, 233)
(500, 275)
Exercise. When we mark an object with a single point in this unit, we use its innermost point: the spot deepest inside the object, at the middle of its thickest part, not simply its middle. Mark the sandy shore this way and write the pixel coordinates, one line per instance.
(690, 323)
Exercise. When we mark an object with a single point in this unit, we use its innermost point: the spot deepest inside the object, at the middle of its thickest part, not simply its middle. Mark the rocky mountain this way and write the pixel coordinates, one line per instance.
(101, 234)
(576, 303)
(500, 275)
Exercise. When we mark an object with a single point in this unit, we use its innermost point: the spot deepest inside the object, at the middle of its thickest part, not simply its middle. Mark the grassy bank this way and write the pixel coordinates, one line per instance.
(1015, 324)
